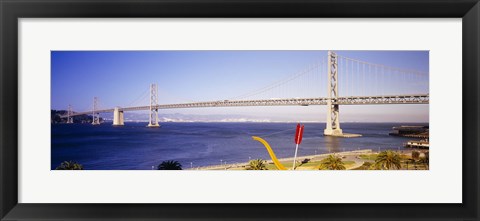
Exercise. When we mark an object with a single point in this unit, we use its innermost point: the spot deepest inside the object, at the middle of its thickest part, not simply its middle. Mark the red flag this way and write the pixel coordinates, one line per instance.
(299, 134)
(296, 133)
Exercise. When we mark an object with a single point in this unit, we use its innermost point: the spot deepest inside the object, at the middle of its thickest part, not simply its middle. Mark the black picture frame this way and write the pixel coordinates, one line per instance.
(12, 10)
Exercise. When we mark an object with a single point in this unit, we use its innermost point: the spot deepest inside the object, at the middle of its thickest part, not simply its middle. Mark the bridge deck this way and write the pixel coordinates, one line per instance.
(356, 100)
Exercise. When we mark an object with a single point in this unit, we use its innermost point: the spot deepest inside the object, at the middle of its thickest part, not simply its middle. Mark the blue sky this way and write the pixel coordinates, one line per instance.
(122, 78)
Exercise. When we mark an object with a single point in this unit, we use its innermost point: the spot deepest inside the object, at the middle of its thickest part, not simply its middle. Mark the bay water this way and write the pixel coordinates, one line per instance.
(136, 147)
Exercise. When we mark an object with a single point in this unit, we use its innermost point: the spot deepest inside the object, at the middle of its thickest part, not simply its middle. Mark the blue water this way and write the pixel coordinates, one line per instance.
(136, 147)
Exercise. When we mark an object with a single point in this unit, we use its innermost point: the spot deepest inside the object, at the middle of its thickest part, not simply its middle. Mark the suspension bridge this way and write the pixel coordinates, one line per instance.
(362, 83)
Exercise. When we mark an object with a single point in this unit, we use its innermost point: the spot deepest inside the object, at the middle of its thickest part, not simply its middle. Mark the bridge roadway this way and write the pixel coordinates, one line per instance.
(354, 100)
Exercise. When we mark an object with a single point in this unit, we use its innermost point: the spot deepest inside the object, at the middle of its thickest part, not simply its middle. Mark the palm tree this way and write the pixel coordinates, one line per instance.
(388, 160)
(170, 165)
(257, 164)
(69, 165)
(332, 163)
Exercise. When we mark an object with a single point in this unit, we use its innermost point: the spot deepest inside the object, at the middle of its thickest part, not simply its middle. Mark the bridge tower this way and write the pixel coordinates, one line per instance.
(153, 118)
(118, 117)
(333, 112)
(69, 114)
(95, 115)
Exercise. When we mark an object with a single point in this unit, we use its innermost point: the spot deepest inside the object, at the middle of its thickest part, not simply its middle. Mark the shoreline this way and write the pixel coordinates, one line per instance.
(349, 156)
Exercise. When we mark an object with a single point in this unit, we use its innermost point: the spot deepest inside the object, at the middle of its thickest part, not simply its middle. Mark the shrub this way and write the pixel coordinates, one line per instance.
(170, 165)
(257, 164)
(69, 165)
(415, 155)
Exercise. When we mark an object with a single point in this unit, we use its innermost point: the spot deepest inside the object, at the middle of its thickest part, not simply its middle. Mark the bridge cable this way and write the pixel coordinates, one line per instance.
(279, 83)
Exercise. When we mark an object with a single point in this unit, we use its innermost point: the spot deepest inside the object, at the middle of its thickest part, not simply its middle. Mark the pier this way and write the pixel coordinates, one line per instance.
(421, 144)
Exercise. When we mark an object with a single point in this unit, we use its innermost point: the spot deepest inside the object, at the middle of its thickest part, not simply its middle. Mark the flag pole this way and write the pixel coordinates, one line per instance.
(298, 140)
(295, 158)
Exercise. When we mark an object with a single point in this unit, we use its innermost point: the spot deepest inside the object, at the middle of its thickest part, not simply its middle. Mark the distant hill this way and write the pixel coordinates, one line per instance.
(55, 117)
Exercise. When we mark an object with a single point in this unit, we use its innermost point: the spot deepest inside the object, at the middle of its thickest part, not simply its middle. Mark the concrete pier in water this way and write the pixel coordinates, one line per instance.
(118, 119)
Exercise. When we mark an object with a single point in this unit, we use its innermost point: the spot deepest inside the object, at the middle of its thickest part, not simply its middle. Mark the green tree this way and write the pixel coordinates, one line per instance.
(170, 165)
(426, 159)
(415, 158)
(257, 164)
(415, 155)
(69, 165)
(332, 163)
(387, 160)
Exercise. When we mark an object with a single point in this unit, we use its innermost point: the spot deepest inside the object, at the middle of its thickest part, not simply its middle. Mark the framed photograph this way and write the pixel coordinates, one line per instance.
(320, 110)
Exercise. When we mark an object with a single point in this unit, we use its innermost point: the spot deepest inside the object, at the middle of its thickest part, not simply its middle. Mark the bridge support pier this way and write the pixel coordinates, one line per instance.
(118, 117)
(95, 115)
(333, 112)
(333, 122)
(153, 118)
(69, 115)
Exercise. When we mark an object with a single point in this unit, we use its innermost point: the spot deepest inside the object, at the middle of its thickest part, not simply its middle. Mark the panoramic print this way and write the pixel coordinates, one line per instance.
(240, 110)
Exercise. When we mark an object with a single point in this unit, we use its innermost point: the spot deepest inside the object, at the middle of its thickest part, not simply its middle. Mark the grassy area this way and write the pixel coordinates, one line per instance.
(368, 156)
(365, 166)
(311, 165)
(349, 164)
(367, 159)
(286, 164)
(412, 166)
(404, 164)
